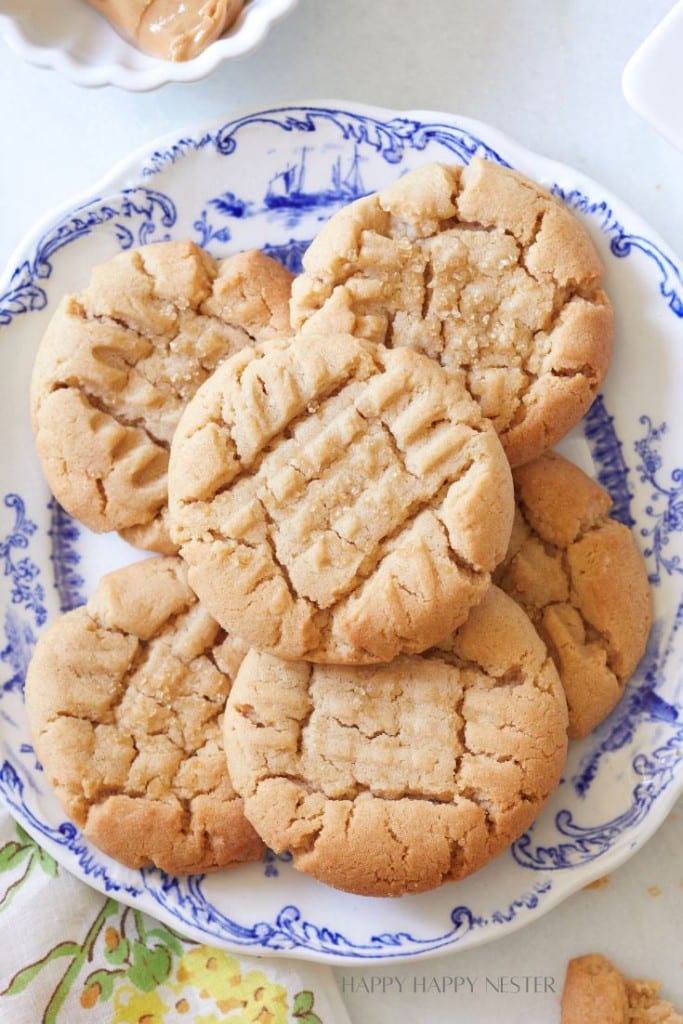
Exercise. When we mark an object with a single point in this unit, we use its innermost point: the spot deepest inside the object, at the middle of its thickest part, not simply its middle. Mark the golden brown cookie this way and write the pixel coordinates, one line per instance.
(389, 779)
(125, 699)
(581, 578)
(118, 363)
(483, 270)
(595, 992)
(336, 500)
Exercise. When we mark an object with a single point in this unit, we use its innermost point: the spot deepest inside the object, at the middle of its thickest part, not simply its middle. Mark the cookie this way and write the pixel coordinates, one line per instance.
(484, 271)
(390, 779)
(581, 578)
(337, 501)
(118, 363)
(595, 992)
(125, 699)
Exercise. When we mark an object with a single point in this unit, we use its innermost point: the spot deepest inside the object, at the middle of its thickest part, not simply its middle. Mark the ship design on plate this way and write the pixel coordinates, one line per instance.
(315, 165)
(292, 192)
(394, 140)
(289, 188)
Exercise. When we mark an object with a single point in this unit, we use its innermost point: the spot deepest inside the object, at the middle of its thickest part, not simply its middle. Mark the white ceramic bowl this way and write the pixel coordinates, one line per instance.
(72, 38)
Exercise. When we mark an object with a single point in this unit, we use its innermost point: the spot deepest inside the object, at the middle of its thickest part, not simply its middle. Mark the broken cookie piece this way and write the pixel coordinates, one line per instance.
(595, 992)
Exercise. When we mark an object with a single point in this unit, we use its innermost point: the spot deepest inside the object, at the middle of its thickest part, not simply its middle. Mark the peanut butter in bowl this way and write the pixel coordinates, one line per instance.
(175, 30)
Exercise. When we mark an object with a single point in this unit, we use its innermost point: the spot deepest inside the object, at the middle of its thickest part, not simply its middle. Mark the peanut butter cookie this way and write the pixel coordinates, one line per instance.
(336, 500)
(118, 363)
(125, 699)
(482, 270)
(390, 779)
(581, 578)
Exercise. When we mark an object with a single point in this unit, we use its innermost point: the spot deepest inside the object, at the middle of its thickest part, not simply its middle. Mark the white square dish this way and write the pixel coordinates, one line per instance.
(653, 78)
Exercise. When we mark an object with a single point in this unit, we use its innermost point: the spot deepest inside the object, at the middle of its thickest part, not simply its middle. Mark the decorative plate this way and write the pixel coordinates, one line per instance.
(72, 38)
(269, 178)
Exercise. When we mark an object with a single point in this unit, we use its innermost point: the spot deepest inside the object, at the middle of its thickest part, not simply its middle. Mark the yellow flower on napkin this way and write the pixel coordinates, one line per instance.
(208, 985)
(217, 976)
(134, 1007)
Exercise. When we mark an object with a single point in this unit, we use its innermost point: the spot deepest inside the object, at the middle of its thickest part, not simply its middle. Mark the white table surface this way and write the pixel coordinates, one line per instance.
(548, 73)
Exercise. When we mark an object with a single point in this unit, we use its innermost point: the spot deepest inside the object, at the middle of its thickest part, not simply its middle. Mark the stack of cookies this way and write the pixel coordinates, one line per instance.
(382, 605)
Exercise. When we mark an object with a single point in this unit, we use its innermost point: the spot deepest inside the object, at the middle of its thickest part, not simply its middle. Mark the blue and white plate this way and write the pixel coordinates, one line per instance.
(269, 178)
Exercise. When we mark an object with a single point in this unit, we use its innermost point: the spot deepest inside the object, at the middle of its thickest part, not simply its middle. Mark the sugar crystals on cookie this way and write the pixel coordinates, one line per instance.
(336, 500)
(120, 359)
(483, 270)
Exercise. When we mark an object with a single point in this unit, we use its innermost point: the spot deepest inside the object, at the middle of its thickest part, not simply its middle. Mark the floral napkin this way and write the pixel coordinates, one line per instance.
(70, 955)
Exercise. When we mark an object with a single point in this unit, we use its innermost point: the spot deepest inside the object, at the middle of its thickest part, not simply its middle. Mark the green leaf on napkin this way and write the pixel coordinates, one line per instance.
(303, 1007)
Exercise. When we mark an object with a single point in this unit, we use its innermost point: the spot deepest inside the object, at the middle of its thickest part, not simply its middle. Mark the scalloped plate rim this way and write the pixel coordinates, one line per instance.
(127, 172)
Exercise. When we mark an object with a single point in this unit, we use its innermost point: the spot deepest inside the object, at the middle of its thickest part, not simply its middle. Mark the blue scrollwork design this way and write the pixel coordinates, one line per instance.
(162, 158)
(26, 594)
(23, 573)
(666, 508)
(623, 243)
(136, 216)
(288, 189)
(391, 139)
(528, 901)
(586, 844)
(289, 929)
(643, 705)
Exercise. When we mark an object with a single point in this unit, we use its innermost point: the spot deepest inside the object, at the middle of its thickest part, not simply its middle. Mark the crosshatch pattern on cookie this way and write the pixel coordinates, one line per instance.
(338, 501)
(125, 699)
(581, 578)
(389, 779)
(118, 363)
(484, 271)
